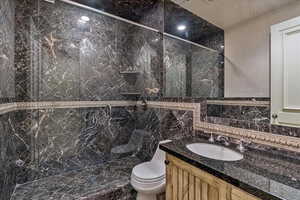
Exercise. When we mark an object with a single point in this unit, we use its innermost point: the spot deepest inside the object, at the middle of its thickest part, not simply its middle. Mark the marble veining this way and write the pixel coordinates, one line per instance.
(248, 117)
(107, 181)
(67, 122)
(197, 29)
(191, 70)
(49, 143)
(7, 49)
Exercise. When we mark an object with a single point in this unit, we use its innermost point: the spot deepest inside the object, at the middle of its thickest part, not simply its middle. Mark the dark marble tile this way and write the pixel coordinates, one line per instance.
(59, 66)
(51, 142)
(285, 130)
(107, 181)
(8, 157)
(190, 70)
(161, 124)
(197, 29)
(176, 64)
(248, 117)
(57, 139)
(140, 50)
(206, 67)
(26, 126)
(100, 76)
(7, 47)
(25, 9)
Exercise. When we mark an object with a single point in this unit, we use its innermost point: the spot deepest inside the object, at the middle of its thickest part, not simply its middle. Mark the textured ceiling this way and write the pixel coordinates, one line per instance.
(226, 13)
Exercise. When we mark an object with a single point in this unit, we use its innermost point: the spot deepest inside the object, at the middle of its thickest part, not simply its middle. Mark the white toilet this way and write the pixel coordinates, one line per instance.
(148, 178)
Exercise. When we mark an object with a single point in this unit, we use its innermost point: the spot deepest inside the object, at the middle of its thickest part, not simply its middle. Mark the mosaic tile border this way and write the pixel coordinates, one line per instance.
(278, 141)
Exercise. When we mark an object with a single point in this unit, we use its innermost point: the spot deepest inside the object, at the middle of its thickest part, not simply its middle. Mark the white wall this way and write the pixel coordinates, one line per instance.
(247, 64)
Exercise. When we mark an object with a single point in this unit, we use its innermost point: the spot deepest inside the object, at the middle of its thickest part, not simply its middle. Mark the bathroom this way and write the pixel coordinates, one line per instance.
(149, 100)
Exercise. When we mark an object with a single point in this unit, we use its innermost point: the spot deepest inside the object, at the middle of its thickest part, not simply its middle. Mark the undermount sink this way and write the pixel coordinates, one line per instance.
(214, 152)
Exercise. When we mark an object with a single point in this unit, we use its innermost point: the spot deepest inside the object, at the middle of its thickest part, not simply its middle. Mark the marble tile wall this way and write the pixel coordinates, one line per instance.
(7, 50)
(177, 62)
(192, 71)
(207, 73)
(78, 60)
(44, 143)
(7, 157)
(198, 30)
(162, 124)
(247, 117)
(59, 57)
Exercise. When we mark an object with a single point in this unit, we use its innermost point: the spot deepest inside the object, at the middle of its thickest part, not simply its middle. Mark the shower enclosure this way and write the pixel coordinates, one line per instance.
(72, 75)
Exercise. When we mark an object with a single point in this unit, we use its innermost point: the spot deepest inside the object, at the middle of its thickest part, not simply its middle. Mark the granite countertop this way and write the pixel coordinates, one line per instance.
(266, 174)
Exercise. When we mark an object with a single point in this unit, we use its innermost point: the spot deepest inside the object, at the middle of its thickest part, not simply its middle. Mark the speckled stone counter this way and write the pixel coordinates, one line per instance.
(265, 173)
(110, 181)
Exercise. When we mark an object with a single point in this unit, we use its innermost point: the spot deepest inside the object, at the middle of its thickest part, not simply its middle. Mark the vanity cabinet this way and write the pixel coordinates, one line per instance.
(186, 182)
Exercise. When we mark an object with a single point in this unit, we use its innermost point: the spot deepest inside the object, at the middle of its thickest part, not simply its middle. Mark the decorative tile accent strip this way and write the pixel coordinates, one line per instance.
(9, 107)
(72, 104)
(279, 141)
(239, 103)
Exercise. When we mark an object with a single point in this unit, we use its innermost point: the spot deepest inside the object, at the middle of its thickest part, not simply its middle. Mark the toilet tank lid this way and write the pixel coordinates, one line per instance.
(165, 141)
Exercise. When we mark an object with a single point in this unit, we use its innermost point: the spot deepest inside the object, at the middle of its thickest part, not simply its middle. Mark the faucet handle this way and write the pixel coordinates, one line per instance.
(211, 139)
(241, 146)
(223, 138)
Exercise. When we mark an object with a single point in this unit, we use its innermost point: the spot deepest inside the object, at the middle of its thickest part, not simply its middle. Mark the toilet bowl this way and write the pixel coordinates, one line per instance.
(148, 178)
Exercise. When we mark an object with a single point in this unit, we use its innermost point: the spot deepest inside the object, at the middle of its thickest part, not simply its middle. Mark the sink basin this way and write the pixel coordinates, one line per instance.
(214, 152)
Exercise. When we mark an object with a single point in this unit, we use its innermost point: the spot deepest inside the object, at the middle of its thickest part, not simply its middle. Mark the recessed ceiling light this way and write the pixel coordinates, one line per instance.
(181, 27)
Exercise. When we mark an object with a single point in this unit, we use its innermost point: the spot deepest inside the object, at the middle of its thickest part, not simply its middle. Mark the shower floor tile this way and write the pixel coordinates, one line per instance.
(107, 181)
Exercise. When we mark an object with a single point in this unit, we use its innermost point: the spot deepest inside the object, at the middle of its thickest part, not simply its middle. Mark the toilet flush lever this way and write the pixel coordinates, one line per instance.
(167, 162)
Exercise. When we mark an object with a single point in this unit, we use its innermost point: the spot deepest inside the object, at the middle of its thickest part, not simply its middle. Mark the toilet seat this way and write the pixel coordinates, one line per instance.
(149, 172)
(149, 177)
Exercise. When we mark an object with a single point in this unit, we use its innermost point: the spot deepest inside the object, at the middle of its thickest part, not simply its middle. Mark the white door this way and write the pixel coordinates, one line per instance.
(285, 73)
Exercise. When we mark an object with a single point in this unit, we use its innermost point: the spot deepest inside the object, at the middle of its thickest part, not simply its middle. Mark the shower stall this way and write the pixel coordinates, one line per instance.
(72, 74)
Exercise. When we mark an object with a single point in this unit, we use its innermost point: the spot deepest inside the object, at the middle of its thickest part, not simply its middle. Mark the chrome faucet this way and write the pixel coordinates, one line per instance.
(241, 146)
(225, 139)
(211, 139)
